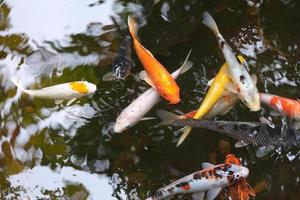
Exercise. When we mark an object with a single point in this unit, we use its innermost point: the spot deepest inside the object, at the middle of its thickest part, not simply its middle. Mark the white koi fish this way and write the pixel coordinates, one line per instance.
(243, 84)
(62, 91)
(211, 179)
(143, 104)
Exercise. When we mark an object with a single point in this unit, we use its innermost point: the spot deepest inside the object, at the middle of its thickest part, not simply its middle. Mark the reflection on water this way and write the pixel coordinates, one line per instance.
(60, 149)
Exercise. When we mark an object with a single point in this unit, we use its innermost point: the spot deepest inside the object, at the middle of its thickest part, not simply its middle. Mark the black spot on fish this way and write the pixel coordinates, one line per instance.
(182, 184)
(222, 43)
(197, 176)
(242, 79)
(171, 189)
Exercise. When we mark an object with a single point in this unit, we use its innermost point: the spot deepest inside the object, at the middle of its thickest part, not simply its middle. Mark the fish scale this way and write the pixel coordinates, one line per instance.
(256, 133)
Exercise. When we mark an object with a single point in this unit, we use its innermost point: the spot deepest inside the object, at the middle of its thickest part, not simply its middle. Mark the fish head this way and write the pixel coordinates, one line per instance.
(122, 124)
(172, 95)
(239, 172)
(251, 99)
(91, 87)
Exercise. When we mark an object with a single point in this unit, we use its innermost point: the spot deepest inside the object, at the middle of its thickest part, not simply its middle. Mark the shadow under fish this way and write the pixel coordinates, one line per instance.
(267, 137)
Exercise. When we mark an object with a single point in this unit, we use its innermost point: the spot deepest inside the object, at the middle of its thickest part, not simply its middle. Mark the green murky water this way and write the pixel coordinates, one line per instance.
(52, 150)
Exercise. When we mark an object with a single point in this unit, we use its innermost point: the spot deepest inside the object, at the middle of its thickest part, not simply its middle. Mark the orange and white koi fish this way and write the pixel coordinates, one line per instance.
(211, 179)
(240, 190)
(243, 84)
(160, 77)
(214, 93)
(282, 105)
(62, 91)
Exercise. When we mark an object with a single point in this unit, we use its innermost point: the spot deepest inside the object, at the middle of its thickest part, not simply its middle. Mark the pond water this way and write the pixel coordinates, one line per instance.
(57, 150)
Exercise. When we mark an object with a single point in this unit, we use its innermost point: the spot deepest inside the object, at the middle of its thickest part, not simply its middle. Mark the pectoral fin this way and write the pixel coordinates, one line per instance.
(144, 76)
(230, 87)
(186, 132)
(266, 121)
(71, 101)
(240, 144)
(108, 77)
(206, 165)
(254, 78)
(275, 113)
(210, 81)
(213, 193)
(198, 196)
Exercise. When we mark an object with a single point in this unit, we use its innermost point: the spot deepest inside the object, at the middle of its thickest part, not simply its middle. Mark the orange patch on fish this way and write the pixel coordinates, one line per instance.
(186, 187)
(79, 87)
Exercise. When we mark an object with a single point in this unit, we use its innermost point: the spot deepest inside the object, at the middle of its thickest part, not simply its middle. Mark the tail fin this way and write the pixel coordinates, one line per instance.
(210, 22)
(132, 25)
(186, 132)
(167, 117)
(186, 65)
(17, 84)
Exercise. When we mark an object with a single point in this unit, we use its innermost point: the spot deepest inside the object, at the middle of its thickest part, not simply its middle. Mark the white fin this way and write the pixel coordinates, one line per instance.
(144, 76)
(60, 101)
(198, 196)
(240, 144)
(71, 101)
(14, 80)
(266, 121)
(254, 78)
(224, 112)
(295, 125)
(275, 113)
(108, 77)
(213, 193)
(210, 22)
(210, 82)
(166, 117)
(186, 65)
(186, 131)
(207, 165)
(230, 87)
(264, 150)
(147, 118)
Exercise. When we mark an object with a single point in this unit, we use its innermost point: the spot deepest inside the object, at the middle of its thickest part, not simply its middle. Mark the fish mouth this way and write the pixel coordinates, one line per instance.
(255, 107)
(118, 129)
(244, 172)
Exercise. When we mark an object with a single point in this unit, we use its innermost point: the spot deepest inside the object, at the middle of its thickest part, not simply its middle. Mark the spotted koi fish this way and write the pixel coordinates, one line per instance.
(284, 106)
(240, 190)
(243, 84)
(123, 63)
(211, 179)
(161, 79)
(62, 91)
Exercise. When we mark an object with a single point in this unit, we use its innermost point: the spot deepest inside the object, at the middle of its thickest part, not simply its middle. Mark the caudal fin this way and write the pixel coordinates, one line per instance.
(132, 25)
(17, 84)
(186, 65)
(210, 22)
(167, 117)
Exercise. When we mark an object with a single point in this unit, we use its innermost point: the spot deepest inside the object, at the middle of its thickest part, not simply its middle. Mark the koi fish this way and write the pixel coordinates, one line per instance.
(222, 107)
(133, 113)
(211, 179)
(160, 77)
(214, 93)
(62, 91)
(240, 190)
(284, 106)
(261, 134)
(123, 63)
(243, 84)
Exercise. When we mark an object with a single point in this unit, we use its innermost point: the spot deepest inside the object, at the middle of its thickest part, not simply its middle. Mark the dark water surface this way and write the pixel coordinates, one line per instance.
(52, 150)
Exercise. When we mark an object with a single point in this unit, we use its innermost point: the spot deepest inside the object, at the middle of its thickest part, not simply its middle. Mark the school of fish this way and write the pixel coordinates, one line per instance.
(232, 83)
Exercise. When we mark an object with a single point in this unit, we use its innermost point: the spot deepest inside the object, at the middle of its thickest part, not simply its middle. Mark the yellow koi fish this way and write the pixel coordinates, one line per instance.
(215, 92)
